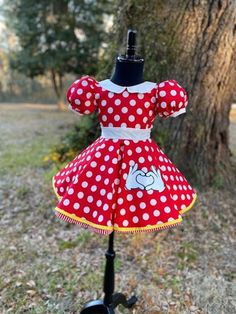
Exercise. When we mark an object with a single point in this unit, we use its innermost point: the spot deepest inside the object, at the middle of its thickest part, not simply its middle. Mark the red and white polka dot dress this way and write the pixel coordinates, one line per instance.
(123, 181)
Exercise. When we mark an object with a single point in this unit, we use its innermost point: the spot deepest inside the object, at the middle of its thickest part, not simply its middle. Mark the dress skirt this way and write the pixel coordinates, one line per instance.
(122, 185)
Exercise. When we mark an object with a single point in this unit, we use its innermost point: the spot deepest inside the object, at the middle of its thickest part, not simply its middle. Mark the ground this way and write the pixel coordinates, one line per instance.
(49, 266)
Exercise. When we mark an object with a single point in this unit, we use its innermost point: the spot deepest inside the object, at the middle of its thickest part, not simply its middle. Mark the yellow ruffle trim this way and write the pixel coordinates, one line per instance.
(182, 211)
(98, 226)
(83, 220)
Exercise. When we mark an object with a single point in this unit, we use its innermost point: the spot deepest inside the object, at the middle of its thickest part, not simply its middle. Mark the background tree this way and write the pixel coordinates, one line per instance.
(58, 37)
(193, 42)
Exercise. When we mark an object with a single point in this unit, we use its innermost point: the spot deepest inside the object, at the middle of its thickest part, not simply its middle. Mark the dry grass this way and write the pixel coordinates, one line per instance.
(48, 266)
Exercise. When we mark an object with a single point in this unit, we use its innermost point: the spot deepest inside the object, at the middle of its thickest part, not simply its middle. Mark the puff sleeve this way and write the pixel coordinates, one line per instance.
(81, 95)
(171, 99)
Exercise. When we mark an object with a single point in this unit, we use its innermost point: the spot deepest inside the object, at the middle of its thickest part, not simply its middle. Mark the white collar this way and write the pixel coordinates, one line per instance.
(139, 88)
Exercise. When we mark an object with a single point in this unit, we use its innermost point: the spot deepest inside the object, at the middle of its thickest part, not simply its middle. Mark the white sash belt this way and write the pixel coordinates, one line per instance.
(125, 133)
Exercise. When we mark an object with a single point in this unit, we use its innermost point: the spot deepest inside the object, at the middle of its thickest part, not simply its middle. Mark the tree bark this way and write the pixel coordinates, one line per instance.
(58, 88)
(193, 42)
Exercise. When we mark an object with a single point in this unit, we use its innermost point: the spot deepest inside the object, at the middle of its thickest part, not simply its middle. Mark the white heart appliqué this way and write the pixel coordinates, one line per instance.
(145, 181)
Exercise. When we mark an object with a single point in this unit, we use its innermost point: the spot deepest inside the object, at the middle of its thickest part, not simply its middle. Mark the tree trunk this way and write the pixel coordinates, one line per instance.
(193, 42)
(58, 88)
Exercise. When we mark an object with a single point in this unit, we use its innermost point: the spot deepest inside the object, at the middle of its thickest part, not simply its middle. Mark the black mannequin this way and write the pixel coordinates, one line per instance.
(128, 72)
(128, 68)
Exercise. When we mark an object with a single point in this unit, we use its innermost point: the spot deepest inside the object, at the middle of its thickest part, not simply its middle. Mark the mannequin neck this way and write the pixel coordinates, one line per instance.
(127, 73)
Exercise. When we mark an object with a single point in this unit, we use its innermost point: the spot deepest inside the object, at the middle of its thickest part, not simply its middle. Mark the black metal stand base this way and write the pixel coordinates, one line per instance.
(98, 306)
(111, 299)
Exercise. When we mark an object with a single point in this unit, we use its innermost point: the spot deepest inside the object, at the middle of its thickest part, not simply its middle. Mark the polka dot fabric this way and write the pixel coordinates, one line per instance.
(123, 185)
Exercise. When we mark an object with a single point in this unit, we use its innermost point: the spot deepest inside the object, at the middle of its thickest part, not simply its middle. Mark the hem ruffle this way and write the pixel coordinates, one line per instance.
(105, 230)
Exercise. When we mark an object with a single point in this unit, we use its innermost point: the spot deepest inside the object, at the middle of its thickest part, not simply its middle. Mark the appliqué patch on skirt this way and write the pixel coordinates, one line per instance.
(138, 179)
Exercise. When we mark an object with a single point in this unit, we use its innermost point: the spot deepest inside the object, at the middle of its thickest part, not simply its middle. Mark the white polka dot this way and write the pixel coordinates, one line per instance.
(170, 219)
(79, 91)
(162, 84)
(84, 184)
(86, 209)
(70, 191)
(117, 102)
(124, 109)
(180, 104)
(138, 149)
(76, 206)
(98, 178)
(156, 213)
(66, 202)
(173, 92)
(103, 192)
(80, 195)
(100, 218)
(132, 208)
(125, 223)
(120, 201)
(105, 207)
(163, 104)
(135, 219)
(116, 117)
(93, 164)
(110, 170)
(109, 196)
(140, 96)
(87, 103)
(103, 167)
(122, 211)
(110, 110)
(175, 197)
(131, 118)
(140, 194)
(103, 102)
(142, 205)
(153, 202)
(132, 102)
(125, 94)
(61, 188)
(89, 174)
(141, 160)
(163, 199)
(77, 101)
(95, 214)
(173, 103)
(98, 154)
(99, 203)
(145, 216)
(84, 83)
(167, 209)
(183, 197)
(139, 111)
(147, 104)
(162, 93)
(129, 197)
(93, 188)
(90, 199)
(110, 95)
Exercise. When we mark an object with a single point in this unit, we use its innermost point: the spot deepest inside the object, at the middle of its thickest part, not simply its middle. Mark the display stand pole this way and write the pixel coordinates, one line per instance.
(111, 300)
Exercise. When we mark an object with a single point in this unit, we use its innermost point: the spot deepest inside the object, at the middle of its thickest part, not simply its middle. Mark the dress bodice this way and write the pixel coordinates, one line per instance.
(128, 107)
